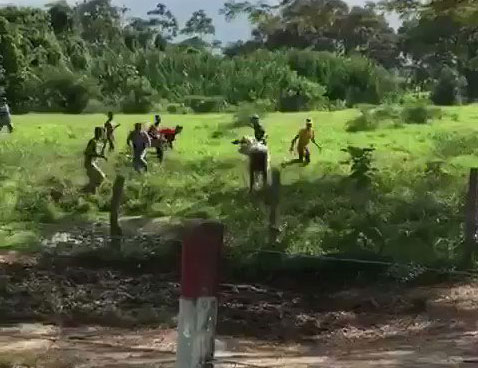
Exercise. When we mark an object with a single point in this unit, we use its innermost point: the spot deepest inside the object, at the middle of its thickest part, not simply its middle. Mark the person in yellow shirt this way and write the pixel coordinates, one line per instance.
(305, 136)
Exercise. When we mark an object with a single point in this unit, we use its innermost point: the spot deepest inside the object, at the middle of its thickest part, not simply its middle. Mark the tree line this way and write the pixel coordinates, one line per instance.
(303, 54)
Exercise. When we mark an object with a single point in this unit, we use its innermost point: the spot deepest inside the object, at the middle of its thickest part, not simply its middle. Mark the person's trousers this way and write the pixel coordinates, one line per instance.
(6, 121)
(303, 153)
(139, 160)
(95, 177)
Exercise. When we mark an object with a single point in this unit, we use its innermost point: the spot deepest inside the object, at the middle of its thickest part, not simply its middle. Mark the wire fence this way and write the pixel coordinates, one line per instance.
(92, 239)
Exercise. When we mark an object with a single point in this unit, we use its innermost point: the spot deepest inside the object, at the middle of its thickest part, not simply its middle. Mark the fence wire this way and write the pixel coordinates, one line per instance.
(90, 240)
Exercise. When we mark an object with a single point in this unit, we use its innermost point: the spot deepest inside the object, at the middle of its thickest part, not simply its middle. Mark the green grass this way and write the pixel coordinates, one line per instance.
(410, 213)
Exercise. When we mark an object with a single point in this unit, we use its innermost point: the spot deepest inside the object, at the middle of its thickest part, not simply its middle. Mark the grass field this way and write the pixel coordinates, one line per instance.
(413, 210)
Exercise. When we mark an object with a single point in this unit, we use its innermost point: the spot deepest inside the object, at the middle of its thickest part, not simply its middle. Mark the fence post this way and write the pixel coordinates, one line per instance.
(115, 229)
(471, 221)
(274, 199)
(198, 304)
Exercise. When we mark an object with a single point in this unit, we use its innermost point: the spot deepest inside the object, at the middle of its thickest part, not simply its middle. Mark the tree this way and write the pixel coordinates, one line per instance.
(199, 25)
(164, 21)
(100, 21)
(2, 78)
(449, 87)
(325, 25)
(439, 34)
(61, 17)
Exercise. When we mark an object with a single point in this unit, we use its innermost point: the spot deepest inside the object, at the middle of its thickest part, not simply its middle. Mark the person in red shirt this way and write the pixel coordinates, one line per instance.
(169, 134)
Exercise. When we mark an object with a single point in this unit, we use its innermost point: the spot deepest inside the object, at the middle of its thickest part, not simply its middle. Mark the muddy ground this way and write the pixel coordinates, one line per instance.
(55, 312)
(72, 316)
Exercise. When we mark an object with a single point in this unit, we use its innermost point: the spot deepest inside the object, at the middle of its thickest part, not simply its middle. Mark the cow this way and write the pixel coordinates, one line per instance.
(259, 159)
(169, 134)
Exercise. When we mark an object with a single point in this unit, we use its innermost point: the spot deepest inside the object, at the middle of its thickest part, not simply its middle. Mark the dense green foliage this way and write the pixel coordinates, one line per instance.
(87, 52)
(304, 54)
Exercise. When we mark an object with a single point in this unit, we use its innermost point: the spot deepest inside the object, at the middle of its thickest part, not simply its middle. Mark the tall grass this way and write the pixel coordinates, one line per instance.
(409, 212)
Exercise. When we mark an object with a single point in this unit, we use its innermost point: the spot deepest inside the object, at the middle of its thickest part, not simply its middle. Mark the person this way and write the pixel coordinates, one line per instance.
(139, 141)
(305, 136)
(5, 118)
(169, 134)
(259, 131)
(110, 129)
(92, 153)
(157, 119)
(156, 138)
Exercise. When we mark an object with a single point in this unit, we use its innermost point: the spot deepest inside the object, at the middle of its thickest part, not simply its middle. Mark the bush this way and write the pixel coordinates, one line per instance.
(204, 104)
(95, 106)
(365, 122)
(388, 112)
(337, 105)
(418, 114)
(141, 98)
(177, 108)
(361, 164)
(449, 88)
(302, 95)
(245, 110)
(66, 92)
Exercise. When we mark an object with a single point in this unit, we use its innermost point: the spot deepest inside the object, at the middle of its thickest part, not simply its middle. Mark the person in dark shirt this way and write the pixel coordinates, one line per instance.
(259, 131)
(139, 142)
(5, 118)
(110, 129)
(92, 153)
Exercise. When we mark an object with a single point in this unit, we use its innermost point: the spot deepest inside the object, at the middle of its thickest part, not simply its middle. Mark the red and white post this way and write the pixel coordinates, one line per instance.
(198, 304)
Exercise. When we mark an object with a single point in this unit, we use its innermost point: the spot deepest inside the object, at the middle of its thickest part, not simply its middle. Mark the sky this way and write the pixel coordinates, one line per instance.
(182, 9)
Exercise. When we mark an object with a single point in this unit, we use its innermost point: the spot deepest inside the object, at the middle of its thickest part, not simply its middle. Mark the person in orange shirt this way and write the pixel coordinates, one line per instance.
(305, 136)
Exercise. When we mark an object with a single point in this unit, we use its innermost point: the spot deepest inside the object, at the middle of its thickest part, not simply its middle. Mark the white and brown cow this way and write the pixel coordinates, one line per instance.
(259, 160)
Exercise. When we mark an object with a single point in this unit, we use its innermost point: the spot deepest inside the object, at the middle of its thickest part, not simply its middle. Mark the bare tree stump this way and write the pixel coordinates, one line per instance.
(471, 221)
(115, 229)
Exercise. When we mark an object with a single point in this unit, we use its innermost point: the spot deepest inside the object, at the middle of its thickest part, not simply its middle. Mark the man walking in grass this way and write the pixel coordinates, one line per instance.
(110, 129)
(305, 136)
(5, 118)
(157, 140)
(139, 141)
(92, 153)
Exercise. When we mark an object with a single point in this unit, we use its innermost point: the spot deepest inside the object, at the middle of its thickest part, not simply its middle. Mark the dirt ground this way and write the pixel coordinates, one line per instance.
(64, 315)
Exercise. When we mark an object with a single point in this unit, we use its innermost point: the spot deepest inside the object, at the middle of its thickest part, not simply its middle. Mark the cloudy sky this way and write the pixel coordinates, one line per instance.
(225, 32)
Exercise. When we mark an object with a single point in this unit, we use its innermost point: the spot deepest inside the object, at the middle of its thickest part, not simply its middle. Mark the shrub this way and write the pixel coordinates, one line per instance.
(418, 114)
(96, 106)
(387, 112)
(141, 98)
(361, 168)
(177, 108)
(337, 105)
(66, 91)
(302, 95)
(365, 122)
(245, 110)
(204, 104)
(449, 88)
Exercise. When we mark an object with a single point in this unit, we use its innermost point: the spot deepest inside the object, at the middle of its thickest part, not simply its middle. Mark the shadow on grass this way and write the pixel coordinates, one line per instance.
(329, 215)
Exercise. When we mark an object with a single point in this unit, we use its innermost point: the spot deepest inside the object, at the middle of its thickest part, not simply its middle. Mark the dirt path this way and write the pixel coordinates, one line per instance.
(69, 316)
(100, 347)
